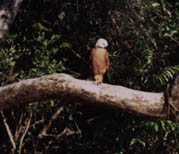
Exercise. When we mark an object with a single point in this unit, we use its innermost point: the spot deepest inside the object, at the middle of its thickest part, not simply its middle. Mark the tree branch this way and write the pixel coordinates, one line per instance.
(8, 131)
(65, 87)
(24, 134)
(47, 127)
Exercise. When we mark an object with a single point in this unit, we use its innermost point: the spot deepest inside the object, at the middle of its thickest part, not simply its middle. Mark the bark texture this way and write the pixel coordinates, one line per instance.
(8, 12)
(65, 87)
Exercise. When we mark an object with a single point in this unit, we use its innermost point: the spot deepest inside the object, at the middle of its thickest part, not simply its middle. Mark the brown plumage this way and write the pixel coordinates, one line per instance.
(100, 63)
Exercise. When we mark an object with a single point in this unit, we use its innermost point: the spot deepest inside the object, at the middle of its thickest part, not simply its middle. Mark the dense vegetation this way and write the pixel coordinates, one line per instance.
(57, 36)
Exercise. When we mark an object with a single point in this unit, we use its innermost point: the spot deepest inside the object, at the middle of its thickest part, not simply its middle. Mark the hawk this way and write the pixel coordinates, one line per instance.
(100, 60)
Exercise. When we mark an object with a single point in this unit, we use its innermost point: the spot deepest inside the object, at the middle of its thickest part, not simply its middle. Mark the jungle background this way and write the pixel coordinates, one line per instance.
(56, 36)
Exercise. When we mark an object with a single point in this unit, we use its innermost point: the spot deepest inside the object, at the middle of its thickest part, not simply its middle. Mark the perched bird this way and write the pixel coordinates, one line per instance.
(100, 60)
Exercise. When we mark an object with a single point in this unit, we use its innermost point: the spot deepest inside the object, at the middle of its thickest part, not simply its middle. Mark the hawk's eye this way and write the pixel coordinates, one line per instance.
(3, 16)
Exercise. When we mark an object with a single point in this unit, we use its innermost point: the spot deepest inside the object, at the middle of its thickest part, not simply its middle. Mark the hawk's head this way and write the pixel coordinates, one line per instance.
(101, 43)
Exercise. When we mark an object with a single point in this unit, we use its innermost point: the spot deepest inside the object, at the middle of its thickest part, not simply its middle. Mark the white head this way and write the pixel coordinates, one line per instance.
(101, 43)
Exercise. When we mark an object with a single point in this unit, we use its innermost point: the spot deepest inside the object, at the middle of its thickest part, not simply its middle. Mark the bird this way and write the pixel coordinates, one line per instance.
(100, 60)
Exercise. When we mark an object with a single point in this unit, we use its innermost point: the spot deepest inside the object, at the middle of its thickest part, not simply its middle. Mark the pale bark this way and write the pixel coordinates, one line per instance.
(65, 87)
(8, 12)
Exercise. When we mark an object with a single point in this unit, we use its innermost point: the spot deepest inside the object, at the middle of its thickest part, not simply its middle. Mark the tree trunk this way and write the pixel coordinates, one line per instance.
(65, 87)
(8, 12)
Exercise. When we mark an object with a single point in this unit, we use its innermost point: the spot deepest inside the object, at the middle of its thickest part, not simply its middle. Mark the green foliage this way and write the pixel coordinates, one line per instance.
(134, 141)
(57, 36)
(147, 40)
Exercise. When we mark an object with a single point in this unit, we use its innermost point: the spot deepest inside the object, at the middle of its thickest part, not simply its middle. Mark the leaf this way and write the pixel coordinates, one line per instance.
(65, 45)
(163, 125)
(55, 37)
(61, 15)
(39, 39)
(167, 35)
(12, 63)
(156, 127)
(55, 50)
(52, 103)
(137, 140)
(169, 74)
(34, 70)
(155, 4)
